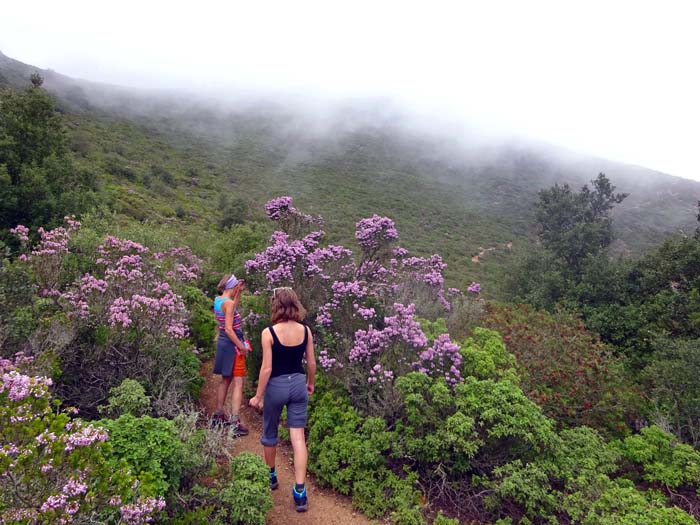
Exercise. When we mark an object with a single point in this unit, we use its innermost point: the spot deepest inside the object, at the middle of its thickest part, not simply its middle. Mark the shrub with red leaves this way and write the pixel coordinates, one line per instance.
(565, 369)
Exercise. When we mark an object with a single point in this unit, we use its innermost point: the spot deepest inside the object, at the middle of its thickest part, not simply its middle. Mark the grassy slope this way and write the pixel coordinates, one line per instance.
(341, 187)
(442, 199)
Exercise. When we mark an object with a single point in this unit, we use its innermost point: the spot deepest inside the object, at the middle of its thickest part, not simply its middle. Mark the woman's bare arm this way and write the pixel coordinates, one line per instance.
(310, 363)
(265, 368)
(228, 309)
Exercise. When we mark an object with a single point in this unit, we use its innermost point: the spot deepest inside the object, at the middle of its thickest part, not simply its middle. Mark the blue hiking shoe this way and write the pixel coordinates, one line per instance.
(273, 481)
(300, 500)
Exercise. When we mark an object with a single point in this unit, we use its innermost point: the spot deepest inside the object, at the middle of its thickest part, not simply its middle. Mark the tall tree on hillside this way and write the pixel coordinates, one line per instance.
(574, 225)
(38, 182)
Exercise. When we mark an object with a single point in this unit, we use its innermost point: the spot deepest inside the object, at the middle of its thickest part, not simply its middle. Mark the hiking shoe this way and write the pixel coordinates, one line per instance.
(300, 500)
(273, 481)
(239, 429)
(219, 421)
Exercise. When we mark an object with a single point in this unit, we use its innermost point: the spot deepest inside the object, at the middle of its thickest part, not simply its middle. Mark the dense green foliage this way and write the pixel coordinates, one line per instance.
(128, 398)
(488, 447)
(673, 379)
(35, 164)
(574, 226)
(148, 445)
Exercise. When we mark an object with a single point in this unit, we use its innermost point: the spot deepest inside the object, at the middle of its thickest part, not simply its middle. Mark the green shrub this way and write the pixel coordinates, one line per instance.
(349, 454)
(574, 478)
(55, 468)
(194, 517)
(625, 505)
(661, 459)
(187, 364)
(485, 357)
(127, 398)
(148, 445)
(246, 499)
(202, 324)
(440, 519)
(673, 378)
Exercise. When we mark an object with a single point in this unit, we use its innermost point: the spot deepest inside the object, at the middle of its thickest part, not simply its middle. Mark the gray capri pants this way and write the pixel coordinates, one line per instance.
(285, 390)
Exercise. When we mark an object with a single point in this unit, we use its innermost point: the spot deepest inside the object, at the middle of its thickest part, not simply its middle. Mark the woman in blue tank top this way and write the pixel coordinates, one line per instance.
(283, 383)
(230, 352)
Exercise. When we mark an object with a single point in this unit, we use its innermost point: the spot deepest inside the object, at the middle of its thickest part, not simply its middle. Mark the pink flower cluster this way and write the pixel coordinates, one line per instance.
(474, 288)
(399, 329)
(185, 266)
(349, 298)
(287, 261)
(320, 258)
(377, 374)
(326, 361)
(162, 308)
(81, 435)
(442, 358)
(429, 270)
(62, 504)
(281, 210)
(375, 230)
(141, 512)
(129, 294)
(21, 232)
(50, 464)
(113, 248)
(348, 293)
(90, 283)
(47, 255)
(275, 208)
(54, 242)
(20, 386)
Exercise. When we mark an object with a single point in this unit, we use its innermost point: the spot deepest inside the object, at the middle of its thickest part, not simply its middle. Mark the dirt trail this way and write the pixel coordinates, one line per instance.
(325, 506)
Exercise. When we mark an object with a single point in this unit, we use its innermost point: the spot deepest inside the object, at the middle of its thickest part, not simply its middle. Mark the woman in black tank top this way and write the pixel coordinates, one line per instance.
(287, 359)
(283, 383)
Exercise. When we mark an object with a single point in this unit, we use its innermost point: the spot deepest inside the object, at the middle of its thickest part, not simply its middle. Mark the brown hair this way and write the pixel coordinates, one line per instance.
(222, 283)
(286, 306)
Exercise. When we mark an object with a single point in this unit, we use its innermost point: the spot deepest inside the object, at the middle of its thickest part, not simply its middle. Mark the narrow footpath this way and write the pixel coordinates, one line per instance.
(325, 506)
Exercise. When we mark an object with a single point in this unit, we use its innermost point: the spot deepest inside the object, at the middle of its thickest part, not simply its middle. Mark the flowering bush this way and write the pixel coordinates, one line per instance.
(363, 305)
(122, 319)
(52, 467)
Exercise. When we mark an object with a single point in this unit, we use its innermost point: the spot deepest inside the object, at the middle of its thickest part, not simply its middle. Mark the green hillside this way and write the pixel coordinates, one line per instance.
(167, 159)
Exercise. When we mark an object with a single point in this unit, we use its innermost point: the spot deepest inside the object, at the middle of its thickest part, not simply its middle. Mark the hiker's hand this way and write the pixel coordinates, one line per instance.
(254, 402)
(310, 388)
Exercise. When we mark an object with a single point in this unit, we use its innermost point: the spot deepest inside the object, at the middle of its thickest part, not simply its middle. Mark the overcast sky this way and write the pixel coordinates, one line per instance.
(618, 79)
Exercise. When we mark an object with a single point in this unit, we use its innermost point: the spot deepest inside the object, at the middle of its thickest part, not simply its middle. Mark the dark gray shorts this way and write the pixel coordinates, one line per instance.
(281, 391)
(225, 354)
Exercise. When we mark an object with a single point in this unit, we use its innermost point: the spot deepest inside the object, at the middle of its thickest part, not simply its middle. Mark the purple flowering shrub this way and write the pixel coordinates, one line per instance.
(124, 318)
(290, 219)
(362, 304)
(53, 468)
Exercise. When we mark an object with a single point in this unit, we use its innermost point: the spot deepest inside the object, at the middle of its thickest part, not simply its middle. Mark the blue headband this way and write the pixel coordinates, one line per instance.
(231, 282)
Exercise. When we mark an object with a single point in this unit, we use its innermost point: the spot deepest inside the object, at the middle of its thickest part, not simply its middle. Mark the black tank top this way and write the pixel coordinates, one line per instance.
(286, 360)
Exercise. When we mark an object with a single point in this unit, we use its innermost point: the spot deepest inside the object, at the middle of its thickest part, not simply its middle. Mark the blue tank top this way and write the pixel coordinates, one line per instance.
(221, 316)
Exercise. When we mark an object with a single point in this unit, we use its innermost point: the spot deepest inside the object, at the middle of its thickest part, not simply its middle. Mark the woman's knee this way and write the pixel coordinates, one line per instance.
(296, 435)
